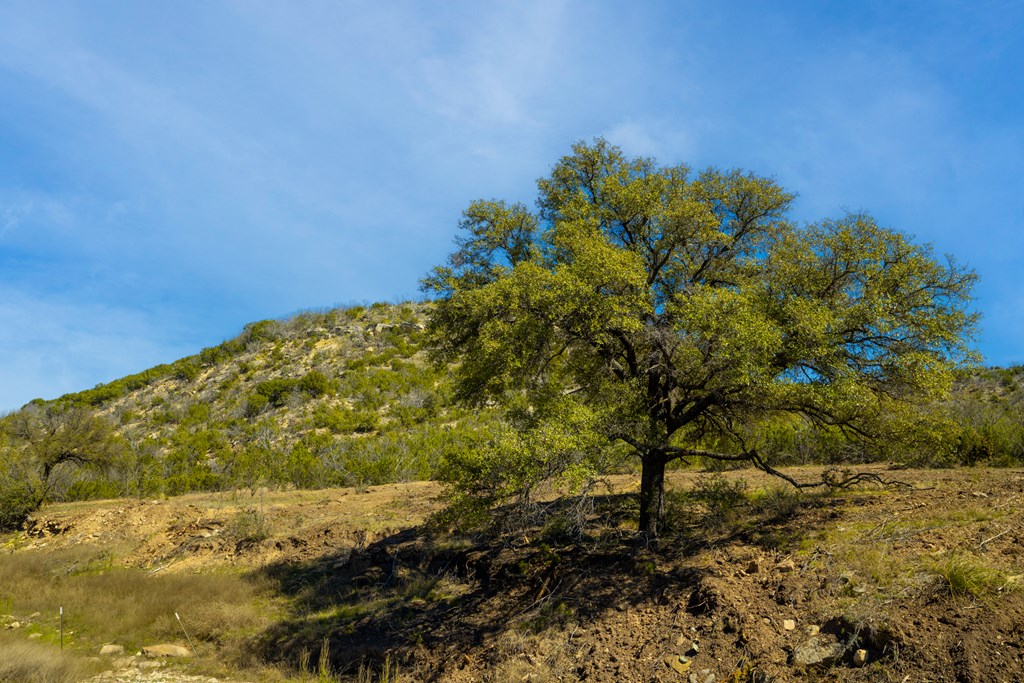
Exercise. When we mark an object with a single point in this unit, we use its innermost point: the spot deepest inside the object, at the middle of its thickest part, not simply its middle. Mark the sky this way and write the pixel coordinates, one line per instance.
(170, 171)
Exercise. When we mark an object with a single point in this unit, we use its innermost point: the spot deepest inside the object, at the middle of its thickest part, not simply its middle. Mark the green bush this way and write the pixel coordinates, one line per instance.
(255, 405)
(346, 421)
(277, 390)
(186, 370)
(17, 502)
(315, 383)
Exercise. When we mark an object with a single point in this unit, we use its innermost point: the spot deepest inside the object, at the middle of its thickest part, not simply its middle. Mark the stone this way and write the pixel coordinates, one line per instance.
(678, 663)
(813, 630)
(860, 657)
(165, 650)
(817, 650)
(14, 624)
(112, 649)
(753, 568)
(786, 566)
(789, 624)
(33, 636)
(694, 648)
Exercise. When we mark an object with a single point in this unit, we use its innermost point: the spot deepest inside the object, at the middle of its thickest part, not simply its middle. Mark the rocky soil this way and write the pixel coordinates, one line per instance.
(860, 586)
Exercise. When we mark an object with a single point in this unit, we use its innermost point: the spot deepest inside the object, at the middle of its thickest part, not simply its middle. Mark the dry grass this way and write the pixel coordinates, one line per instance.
(27, 662)
(103, 603)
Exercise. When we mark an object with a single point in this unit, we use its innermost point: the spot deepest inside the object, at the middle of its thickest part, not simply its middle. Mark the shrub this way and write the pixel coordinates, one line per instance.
(277, 390)
(17, 502)
(315, 383)
(186, 370)
(345, 421)
(255, 405)
(250, 525)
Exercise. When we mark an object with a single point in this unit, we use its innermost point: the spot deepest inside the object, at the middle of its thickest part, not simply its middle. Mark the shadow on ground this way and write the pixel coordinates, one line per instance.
(430, 602)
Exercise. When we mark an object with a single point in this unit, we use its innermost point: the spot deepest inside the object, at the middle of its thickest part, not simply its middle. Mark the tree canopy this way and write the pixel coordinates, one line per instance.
(670, 311)
(37, 443)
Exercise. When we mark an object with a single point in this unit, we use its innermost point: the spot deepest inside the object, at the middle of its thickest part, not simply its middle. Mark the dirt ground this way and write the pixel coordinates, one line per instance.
(919, 582)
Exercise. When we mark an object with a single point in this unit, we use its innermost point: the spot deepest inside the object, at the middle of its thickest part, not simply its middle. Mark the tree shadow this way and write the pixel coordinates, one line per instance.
(427, 601)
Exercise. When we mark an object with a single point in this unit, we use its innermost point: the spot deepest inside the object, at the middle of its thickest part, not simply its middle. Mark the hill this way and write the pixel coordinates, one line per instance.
(336, 398)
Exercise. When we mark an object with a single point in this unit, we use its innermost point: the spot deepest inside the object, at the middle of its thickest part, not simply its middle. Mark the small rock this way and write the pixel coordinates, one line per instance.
(34, 615)
(680, 640)
(147, 664)
(813, 630)
(165, 650)
(753, 568)
(33, 636)
(816, 650)
(789, 624)
(14, 624)
(112, 649)
(694, 649)
(678, 663)
(786, 566)
(860, 657)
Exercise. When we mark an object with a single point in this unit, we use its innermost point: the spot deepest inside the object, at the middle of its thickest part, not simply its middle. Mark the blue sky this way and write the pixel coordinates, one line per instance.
(170, 171)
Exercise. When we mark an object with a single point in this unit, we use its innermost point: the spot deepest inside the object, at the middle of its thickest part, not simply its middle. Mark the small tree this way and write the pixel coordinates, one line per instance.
(672, 313)
(46, 439)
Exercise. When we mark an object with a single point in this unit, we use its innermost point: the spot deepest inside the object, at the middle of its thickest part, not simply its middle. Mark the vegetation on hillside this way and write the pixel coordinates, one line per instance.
(336, 398)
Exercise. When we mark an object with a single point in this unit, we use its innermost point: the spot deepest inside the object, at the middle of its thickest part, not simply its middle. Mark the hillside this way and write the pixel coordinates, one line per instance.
(346, 397)
(336, 398)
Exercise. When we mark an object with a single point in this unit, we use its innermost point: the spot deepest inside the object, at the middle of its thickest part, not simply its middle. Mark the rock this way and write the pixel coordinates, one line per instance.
(753, 568)
(817, 650)
(165, 650)
(860, 657)
(14, 624)
(789, 624)
(34, 615)
(33, 636)
(786, 566)
(694, 648)
(680, 640)
(112, 649)
(813, 630)
(678, 663)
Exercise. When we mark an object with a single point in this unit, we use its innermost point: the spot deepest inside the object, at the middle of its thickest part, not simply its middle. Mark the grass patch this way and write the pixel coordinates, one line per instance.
(132, 607)
(27, 662)
(964, 575)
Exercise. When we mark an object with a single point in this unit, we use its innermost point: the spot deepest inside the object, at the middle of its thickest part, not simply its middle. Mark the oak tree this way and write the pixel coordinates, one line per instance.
(671, 312)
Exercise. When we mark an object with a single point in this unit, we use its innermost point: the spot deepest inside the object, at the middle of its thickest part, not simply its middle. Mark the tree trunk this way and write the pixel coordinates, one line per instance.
(652, 492)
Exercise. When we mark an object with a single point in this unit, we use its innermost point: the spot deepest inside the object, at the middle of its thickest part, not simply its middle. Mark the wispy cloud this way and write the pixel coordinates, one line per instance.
(220, 162)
